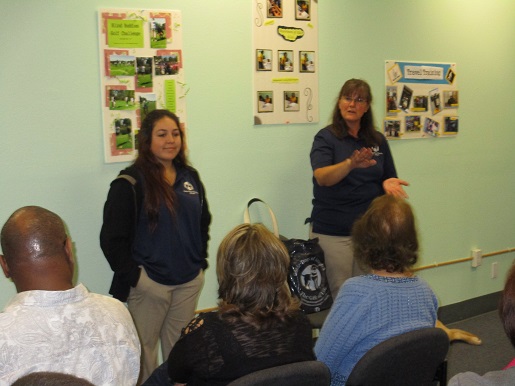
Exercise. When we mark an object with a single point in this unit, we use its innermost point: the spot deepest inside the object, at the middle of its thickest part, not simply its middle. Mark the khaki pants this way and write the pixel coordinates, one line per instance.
(161, 312)
(339, 260)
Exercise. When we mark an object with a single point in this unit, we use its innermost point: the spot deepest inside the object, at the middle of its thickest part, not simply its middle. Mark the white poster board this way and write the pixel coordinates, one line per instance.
(422, 100)
(285, 61)
(141, 69)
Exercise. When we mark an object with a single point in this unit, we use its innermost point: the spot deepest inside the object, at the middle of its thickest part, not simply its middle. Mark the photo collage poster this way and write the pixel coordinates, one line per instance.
(141, 69)
(422, 100)
(285, 61)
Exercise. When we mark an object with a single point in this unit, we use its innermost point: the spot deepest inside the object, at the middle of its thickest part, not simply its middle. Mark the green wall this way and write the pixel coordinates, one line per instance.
(51, 148)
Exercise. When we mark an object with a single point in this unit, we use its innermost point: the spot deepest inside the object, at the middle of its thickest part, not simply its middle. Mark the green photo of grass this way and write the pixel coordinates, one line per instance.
(158, 32)
(123, 130)
(122, 65)
(144, 73)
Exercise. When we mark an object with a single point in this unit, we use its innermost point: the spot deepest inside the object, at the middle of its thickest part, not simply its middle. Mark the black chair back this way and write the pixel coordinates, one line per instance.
(308, 373)
(413, 358)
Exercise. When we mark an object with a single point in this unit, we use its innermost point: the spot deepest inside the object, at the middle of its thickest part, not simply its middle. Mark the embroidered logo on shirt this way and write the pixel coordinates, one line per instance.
(189, 188)
(375, 151)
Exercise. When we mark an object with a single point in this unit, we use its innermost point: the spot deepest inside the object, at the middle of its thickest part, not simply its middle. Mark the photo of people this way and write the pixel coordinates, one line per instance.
(391, 100)
(436, 102)
(143, 73)
(303, 9)
(413, 123)
(450, 99)
(264, 60)
(307, 61)
(392, 128)
(285, 60)
(291, 101)
(167, 64)
(158, 32)
(431, 127)
(121, 100)
(122, 65)
(265, 101)
(147, 103)
(451, 125)
(405, 98)
(420, 103)
(275, 8)
(123, 132)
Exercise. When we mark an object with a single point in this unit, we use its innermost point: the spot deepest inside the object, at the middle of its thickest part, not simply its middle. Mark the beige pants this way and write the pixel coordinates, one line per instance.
(339, 260)
(161, 312)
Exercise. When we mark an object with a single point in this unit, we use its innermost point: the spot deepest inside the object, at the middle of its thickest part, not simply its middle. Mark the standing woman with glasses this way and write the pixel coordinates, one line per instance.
(155, 234)
(352, 165)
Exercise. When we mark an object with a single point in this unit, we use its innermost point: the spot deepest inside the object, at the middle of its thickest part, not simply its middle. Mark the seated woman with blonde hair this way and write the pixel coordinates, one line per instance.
(258, 324)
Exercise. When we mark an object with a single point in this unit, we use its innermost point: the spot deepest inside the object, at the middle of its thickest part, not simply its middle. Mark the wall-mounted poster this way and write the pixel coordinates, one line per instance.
(141, 69)
(285, 52)
(422, 100)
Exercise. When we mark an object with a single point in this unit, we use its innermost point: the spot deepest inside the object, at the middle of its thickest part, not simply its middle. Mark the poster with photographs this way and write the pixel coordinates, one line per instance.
(421, 100)
(141, 69)
(285, 54)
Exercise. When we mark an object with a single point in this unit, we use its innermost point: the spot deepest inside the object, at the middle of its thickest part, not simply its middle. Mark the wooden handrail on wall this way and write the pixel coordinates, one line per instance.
(206, 310)
(434, 265)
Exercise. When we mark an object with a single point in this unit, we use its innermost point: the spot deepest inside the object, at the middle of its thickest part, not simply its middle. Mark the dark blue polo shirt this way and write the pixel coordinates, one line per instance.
(172, 253)
(335, 208)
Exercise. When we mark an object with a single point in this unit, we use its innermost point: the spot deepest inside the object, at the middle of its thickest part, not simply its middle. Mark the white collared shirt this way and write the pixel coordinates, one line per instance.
(76, 332)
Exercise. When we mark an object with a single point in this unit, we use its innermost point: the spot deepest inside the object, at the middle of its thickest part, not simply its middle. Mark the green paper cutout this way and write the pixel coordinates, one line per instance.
(170, 95)
(125, 33)
(290, 33)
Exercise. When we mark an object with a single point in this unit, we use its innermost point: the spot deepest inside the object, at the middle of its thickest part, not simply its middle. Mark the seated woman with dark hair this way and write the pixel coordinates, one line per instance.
(387, 302)
(258, 324)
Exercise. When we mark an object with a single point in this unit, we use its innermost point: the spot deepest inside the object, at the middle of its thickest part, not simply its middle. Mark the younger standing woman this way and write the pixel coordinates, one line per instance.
(352, 165)
(155, 234)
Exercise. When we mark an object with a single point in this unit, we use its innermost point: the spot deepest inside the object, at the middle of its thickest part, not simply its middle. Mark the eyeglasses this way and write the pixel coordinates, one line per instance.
(359, 101)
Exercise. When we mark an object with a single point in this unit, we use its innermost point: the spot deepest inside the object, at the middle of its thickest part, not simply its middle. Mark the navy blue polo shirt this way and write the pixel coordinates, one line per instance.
(335, 208)
(172, 253)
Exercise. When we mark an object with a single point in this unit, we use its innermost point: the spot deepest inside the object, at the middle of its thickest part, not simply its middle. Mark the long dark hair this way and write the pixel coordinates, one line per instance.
(156, 189)
(367, 130)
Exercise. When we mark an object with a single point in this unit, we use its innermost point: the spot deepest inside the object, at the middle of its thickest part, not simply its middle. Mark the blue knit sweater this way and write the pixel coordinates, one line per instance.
(368, 310)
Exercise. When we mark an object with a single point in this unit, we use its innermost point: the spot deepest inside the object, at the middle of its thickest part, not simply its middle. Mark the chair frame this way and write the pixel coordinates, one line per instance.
(307, 373)
(416, 357)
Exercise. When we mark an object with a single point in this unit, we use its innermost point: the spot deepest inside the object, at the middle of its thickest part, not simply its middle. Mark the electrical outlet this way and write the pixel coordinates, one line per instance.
(477, 257)
(493, 270)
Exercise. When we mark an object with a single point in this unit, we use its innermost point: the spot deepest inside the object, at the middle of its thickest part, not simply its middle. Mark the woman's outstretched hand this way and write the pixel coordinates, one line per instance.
(394, 186)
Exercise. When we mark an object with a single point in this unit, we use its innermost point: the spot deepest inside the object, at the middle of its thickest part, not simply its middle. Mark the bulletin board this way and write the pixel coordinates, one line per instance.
(141, 69)
(285, 61)
(422, 100)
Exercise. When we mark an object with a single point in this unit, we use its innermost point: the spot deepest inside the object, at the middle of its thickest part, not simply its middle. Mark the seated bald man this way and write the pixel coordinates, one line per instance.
(52, 325)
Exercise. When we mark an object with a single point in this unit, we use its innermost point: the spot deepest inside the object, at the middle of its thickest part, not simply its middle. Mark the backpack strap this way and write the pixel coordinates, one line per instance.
(131, 179)
(136, 191)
